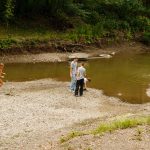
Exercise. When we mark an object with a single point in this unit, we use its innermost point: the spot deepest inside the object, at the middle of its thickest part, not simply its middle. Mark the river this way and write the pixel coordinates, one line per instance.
(123, 76)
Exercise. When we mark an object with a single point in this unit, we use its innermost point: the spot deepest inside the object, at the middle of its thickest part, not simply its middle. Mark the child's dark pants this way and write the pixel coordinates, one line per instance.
(79, 87)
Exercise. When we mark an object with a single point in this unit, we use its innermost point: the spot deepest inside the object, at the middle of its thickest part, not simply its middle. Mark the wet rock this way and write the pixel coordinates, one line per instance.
(113, 53)
(105, 56)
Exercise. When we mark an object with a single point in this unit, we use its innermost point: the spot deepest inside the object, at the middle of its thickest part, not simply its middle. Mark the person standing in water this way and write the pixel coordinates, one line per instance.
(73, 73)
(81, 73)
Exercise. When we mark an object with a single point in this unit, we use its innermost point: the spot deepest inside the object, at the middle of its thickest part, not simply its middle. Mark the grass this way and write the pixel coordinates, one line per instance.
(34, 35)
(121, 124)
(110, 127)
(20, 33)
(27, 36)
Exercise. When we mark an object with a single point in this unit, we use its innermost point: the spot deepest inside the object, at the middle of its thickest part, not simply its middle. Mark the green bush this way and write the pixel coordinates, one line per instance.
(146, 38)
(6, 10)
(140, 23)
(7, 43)
(90, 19)
(124, 25)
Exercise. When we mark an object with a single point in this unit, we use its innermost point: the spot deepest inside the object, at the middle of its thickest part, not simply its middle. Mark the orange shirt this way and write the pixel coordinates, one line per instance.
(1, 73)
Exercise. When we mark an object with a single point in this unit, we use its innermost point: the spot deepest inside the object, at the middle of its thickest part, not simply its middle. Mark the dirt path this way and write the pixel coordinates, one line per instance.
(34, 114)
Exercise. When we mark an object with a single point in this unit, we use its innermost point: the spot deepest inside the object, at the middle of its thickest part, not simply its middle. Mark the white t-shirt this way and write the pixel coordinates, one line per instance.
(81, 73)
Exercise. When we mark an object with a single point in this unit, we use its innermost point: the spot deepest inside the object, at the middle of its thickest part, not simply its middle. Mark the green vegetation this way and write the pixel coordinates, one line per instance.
(122, 124)
(86, 21)
(6, 43)
(71, 136)
(110, 127)
(146, 38)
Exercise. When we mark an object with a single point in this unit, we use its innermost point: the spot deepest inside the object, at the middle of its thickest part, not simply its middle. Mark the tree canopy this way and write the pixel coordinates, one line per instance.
(96, 16)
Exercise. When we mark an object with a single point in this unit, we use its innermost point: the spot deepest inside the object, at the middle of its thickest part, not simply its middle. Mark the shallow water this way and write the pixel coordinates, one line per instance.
(123, 76)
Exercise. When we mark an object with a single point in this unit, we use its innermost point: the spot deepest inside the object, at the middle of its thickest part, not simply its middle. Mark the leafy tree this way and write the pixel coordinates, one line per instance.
(109, 14)
(7, 10)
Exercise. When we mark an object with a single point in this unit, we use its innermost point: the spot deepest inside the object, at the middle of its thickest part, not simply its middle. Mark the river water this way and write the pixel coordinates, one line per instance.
(123, 76)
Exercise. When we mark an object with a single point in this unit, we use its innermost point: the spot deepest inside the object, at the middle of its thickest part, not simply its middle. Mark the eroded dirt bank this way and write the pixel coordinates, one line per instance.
(34, 115)
(58, 56)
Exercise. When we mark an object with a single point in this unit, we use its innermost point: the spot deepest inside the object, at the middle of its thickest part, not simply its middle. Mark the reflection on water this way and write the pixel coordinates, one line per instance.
(126, 77)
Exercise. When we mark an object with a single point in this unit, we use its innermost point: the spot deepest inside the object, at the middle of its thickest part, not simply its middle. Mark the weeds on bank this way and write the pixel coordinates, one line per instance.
(86, 34)
(71, 135)
(121, 124)
(110, 127)
(7, 43)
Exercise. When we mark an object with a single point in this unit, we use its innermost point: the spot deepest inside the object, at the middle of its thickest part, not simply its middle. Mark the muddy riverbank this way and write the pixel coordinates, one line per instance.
(57, 56)
(36, 114)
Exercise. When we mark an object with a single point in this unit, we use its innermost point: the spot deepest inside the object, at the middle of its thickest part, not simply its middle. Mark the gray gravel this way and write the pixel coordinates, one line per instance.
(31, 111)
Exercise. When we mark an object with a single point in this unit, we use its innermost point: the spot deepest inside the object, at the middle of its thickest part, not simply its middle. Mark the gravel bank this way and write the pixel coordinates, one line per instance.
(36, 113)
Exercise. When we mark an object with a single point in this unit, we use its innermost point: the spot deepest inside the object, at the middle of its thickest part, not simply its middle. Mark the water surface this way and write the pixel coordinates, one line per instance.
(123, 76)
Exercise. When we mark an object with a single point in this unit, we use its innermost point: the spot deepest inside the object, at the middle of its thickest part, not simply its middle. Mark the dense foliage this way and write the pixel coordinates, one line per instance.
(92, 18)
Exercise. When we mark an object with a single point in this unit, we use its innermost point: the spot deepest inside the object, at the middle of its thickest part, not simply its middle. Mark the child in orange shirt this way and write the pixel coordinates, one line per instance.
(1, 73)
